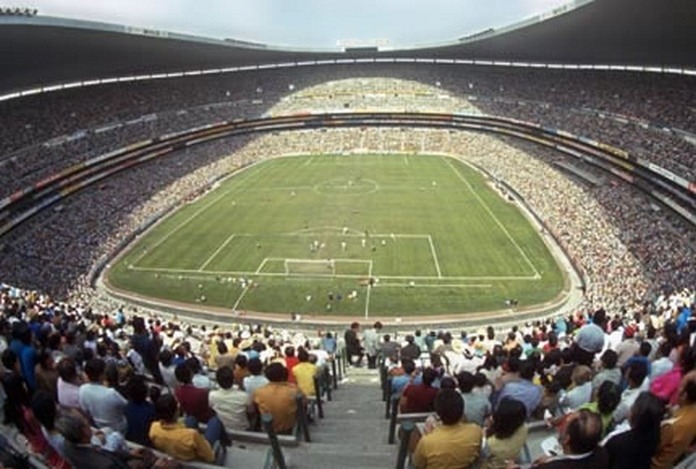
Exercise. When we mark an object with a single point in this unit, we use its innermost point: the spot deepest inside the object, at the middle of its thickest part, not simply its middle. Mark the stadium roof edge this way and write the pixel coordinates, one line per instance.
(41, 51)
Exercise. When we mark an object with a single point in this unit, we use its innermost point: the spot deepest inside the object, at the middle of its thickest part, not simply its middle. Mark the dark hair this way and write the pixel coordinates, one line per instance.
(689, 390)
(166, 408)
(584, 431)
(94, 369)
(67, 369)
(645, 419)
(43, 405)
(9, 358)
(609, 359)
(225, 377)
(241, 360)
(608, 397)
(289, 351)
(276, 373)
(449, 406)
(429, 376)
(166, 357)
(447, 382)
(193, 364)
(222, 347)
(480, 380)
(183, 373)
(137, 389)
(255, 366)
(636, 372)
(466, 382)
(508, 417)
(645, 348)
(408, 365)
(527, 370)
(302, 354)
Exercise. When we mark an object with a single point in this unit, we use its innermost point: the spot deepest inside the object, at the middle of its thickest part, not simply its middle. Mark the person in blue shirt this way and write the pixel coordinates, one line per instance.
(21, 345)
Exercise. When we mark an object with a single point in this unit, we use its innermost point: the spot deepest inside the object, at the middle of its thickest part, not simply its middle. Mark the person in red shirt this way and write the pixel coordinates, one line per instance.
(290, 361)
(193, 400)
(420, 397)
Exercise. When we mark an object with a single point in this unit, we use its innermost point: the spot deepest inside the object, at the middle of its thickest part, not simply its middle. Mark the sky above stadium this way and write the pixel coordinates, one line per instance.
(306, 23)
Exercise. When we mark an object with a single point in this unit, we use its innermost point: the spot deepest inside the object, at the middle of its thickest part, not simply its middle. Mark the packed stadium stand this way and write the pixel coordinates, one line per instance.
(587, 114)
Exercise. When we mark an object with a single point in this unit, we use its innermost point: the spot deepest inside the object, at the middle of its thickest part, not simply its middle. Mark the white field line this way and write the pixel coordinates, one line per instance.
(308, 161)
(261, 265)
(432, 251)
(180, 226)
(438, 285)
(495, 219)
(241, 296)
(406, 160)
(367, 296)
(217, 251)
(197, 273)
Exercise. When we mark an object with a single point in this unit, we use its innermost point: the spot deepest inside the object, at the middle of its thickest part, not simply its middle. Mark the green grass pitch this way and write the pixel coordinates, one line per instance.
(303, 234)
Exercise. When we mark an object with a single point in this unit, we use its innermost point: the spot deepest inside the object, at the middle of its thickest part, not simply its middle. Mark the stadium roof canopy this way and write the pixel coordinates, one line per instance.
(37, 50)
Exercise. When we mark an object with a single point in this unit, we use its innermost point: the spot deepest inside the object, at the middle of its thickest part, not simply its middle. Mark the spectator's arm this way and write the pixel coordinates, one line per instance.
(204, 451)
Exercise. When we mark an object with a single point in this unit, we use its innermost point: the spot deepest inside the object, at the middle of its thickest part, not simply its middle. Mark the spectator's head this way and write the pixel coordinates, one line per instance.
(409, 366)
(137, 389)
(645, 348)
(225, 377)
(646, 417)
(302, 355)
(466, 382)
(608, 397)
(276, 373)
(94, 369)
(255, 366)
(183, 373)
(355, 326)
(552, 339)
(429, 376)
(508, 417)
(166, 357)
(289, 351)
(74, 428)
(581, 375)
(241, 361)
(636, 373)
(527, 370)
(10, 360)
(166, 408)
(609, 359)
(449, 406)
(378, 326)
(687, 389)
(582, 432)
(194, 365)
(222, 347)
(67, 370)
(448, 382)
(45, 360)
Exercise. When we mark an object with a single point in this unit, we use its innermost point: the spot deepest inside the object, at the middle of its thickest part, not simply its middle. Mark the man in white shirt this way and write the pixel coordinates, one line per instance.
(636, 376)
(105, 405)
(255, 380)
(229, 404)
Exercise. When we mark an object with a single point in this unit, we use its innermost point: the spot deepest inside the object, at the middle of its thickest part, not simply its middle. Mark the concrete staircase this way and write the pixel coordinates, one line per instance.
(353, 433)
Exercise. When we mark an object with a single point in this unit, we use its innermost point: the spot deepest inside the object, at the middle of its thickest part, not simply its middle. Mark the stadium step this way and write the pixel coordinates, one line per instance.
(354, 430)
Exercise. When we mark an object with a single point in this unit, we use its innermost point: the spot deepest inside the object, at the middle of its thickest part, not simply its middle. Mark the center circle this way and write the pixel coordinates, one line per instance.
(346, 186)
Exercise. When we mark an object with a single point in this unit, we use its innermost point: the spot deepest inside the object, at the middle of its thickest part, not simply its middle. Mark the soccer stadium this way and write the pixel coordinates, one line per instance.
(476, 252)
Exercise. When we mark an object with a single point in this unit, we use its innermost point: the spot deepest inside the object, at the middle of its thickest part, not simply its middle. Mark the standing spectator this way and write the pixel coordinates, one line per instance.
(46, 373)
(328, 343)
(354, 350)
(69, 382)
(411, 349)
(16, 392)
(452, 444)
(290, 362)
(147, 347)
(166, 367)
(420, 397)
(371, 342)
(21, 345)
(193, 400)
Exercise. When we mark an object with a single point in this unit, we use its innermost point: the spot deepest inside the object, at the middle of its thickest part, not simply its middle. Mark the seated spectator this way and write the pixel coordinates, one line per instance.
(200, 378)
(224, 357)
(506, 434)
(581, 391)
(229, 404)
(69, 382)
(608, 370)
(140, 413)
(636, 379)
(678, 433)
(304, 373)
(662, 363)
(255, 380)
(193, 400)
(523, 390)
(634, 447)
(642, 355)
(454, 443)
(177, 440)
(420, 397)
(240, 369)
(290, 362)
(81, 453)
(607, 399)
(278, 398)
(667, 385)
(409, 376)
(104, 405)
(410, 350)
(16, 392)
(477, 407)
